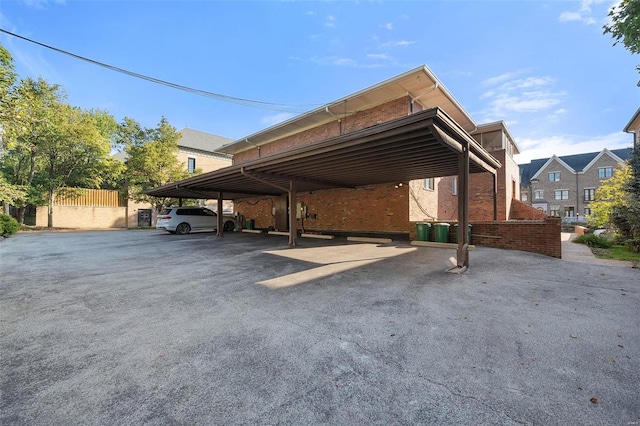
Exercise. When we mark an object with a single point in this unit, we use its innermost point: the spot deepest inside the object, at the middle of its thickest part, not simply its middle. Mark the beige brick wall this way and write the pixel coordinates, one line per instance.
(207, 163)
(82, 217)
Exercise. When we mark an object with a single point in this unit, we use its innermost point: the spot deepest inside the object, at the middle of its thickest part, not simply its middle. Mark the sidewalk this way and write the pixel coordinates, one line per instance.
(582, 253)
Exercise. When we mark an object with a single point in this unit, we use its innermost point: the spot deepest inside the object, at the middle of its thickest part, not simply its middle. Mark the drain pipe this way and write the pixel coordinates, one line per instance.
(415, 98)
(251, 143)
(333, 115)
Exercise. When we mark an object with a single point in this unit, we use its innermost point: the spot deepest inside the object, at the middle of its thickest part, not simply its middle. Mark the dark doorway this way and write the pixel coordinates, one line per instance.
(144, 218)
(281, 207)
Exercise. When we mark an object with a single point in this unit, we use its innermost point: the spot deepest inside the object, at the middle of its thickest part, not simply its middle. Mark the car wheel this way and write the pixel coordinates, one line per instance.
(183, 229)
(229, 226)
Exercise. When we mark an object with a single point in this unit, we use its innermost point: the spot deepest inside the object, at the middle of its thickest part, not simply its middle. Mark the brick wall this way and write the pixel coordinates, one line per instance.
(80, 217)
(523, 211)
(537, 236)
(374, 208)
(360, 120)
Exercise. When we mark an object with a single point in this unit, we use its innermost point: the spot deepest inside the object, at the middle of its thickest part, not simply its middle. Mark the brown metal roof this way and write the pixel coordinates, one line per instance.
(421, 145)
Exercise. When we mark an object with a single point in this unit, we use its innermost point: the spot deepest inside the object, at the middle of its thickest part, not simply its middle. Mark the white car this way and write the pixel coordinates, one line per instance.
(182, 220)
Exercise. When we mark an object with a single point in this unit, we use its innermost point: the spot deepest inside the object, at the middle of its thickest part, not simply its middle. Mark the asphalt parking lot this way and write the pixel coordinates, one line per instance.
(142, 327)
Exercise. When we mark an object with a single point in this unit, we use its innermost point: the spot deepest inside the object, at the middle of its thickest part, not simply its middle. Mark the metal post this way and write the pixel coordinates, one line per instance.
(220, 219)
(293, 211)
(463, 208)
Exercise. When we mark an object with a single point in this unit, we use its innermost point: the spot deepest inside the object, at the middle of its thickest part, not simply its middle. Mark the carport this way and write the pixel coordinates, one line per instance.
(424, 144)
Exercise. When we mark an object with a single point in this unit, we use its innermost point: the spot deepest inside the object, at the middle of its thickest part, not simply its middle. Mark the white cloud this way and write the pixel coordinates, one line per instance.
(41, 4)
(272, 120)
(330, 22)
(387, 26)
(584, 13)
(401, 43)
(568, 145)
(382, 56)
(511, 94)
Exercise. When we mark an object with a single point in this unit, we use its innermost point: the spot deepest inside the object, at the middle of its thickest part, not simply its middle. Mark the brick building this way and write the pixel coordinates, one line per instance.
(634, 127)
(376, 161)
(565, 186)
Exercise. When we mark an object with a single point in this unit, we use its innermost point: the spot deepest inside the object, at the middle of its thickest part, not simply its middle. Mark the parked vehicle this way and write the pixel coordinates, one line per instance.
(182, 220)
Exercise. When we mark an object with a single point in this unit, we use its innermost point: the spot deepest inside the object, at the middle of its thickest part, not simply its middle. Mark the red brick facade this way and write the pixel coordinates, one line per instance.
(522, 211)
(360, 120)
(537, 236)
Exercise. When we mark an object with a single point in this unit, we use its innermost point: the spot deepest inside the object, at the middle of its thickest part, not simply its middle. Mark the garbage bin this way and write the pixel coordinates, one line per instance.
(422, 231)
(455, 233)
(249, 223)
(441, 232)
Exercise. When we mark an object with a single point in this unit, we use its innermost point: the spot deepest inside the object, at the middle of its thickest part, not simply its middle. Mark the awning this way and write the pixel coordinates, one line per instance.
(421, 145)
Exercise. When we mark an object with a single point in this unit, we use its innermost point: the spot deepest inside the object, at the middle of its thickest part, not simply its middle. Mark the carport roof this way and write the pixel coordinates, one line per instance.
(421, 145)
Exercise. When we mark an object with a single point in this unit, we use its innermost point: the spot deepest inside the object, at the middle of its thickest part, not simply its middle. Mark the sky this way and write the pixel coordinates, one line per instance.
(543, 67)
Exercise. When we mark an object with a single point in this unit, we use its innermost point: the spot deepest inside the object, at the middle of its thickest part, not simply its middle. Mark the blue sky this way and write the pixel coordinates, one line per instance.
(544, 67)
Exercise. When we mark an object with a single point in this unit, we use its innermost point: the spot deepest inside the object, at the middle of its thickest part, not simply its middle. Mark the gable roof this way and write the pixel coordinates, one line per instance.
(420, 84)
(634, 123)
(575, 163)
(201, 141)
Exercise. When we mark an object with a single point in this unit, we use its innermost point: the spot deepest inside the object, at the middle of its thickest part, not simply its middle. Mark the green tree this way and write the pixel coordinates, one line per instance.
(74, 153)
(151, 159)
(611, 193)
(625, 25)
(32, 116)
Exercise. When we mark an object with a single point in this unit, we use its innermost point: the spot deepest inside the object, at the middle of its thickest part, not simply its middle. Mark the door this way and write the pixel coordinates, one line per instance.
(281, 207)
(144, 218)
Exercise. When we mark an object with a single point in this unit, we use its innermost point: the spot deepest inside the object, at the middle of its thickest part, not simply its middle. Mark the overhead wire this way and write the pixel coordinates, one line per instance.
(293, 108)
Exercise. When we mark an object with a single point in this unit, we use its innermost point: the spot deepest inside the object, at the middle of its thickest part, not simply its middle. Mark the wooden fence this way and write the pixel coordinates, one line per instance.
(92, 198)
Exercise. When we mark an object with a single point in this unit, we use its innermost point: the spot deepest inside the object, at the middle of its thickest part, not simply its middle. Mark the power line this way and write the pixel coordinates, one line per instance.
(225, 98)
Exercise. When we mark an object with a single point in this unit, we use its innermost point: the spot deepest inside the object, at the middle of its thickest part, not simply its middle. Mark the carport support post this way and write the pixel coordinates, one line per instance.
(220, 232)
(463, 208)
(293, 212)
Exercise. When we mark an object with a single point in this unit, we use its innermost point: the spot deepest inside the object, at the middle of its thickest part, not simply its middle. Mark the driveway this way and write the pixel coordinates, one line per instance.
(140, 327)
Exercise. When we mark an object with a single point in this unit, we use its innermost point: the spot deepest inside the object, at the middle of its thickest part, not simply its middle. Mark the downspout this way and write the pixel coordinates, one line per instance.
(413, 99)
(333, 115)
(251, 143)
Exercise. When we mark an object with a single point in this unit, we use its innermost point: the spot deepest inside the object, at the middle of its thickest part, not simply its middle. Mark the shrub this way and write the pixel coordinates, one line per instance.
(8, 225)
(593, 241)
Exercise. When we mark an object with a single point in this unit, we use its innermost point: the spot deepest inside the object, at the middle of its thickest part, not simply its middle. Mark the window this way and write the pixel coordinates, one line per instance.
(191, 164)
(454, 186)
(554, 210)
(538, 194)
(605, 172)
(561, 194)
(589, 194)
(428, 184)
(554, 177)
(524, 196)
(587, 211)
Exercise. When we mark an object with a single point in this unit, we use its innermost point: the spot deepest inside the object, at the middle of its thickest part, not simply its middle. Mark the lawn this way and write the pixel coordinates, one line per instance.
(617, 252)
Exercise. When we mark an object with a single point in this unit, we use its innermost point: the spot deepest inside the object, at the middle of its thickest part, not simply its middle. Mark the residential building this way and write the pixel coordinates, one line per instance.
(634, 127)
(565, 186)
(105, 209)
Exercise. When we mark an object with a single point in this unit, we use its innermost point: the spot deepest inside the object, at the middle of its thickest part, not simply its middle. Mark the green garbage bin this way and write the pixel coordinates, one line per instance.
(441, 232)
(455, 233)
(249, 223)
(422, 231)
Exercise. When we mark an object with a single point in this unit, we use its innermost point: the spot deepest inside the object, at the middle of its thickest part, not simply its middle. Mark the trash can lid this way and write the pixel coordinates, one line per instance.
(443, 224)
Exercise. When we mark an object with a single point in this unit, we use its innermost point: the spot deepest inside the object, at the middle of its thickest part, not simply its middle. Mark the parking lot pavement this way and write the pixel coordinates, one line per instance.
(141, 327)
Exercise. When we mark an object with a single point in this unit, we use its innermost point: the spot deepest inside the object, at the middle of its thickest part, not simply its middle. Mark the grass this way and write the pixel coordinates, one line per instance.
(617, 252)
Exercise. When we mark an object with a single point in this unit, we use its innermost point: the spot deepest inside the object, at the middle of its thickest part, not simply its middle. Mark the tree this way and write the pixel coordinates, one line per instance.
(625, 25)
(32, 105)
(152, 159)
(74, 152)
(611, 193)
